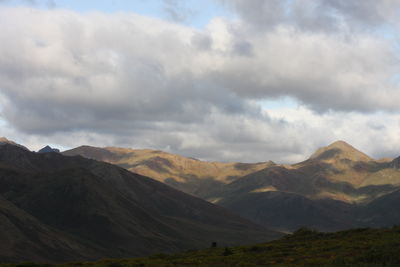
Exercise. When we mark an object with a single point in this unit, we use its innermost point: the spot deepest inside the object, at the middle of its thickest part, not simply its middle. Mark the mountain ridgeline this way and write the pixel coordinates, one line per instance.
(195, 177)
(337, 188)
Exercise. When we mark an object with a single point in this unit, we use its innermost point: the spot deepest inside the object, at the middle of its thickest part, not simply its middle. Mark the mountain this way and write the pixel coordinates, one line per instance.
(328, 191)
(48, 149)
(286, 199)
(61, 208)
(25, 238)
(192, 176)
(337, 151)
(344, 172)
(288, 212)
(383, 211)
(4, 141)
(340, 162)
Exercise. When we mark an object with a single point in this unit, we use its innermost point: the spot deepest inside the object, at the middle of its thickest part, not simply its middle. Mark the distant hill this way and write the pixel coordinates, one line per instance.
(58, 208)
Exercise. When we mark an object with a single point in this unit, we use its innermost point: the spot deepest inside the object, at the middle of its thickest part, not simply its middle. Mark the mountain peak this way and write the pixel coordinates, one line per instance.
(48, 149)
(339, 150)
(340, 144)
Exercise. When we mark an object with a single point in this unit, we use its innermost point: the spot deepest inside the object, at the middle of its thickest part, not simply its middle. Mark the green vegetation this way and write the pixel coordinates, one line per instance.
(305, 247)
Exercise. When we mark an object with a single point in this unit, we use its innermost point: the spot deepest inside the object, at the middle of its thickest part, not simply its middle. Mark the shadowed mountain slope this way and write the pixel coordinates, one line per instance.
(24, 238)
(383, 211)
(4, 141)
(101, 210)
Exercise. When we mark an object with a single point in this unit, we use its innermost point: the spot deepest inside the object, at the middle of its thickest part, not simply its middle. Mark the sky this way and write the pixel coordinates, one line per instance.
(218, 80)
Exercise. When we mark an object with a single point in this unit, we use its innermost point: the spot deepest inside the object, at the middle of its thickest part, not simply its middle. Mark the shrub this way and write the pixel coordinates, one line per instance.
(227, 252)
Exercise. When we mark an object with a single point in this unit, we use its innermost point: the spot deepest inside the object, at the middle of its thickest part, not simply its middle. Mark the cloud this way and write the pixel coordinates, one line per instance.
(131, 80)
(316, 15)
(325, 72)
(260, 13)
(69, 71)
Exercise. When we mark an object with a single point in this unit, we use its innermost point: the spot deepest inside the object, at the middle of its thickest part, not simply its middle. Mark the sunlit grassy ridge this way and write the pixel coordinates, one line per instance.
(160, 165)
(359, 247)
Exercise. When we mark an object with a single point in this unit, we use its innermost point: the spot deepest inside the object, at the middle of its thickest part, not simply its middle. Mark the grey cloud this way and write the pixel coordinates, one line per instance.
(201, 41)
(243, 48)
(325, 72)
(316, 15)
(104, 79)
(260, 13)
(367, 12)
(128, 70)
(377, 126)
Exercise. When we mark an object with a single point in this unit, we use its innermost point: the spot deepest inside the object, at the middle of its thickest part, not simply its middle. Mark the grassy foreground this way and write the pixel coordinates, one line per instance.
(359, 247)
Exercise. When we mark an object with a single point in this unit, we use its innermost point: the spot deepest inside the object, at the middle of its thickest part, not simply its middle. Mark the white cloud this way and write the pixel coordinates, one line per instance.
(130, 80)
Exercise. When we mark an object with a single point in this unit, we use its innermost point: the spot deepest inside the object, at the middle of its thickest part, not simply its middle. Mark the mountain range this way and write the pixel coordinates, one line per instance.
(195, 177)
(89, 202)
(55, 208)
(337, 187)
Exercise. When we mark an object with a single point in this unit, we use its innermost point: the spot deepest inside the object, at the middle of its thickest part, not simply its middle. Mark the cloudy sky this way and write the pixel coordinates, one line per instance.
(226, 80)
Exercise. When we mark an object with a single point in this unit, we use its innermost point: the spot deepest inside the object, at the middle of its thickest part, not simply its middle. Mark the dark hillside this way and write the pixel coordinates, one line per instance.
(110, 211)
